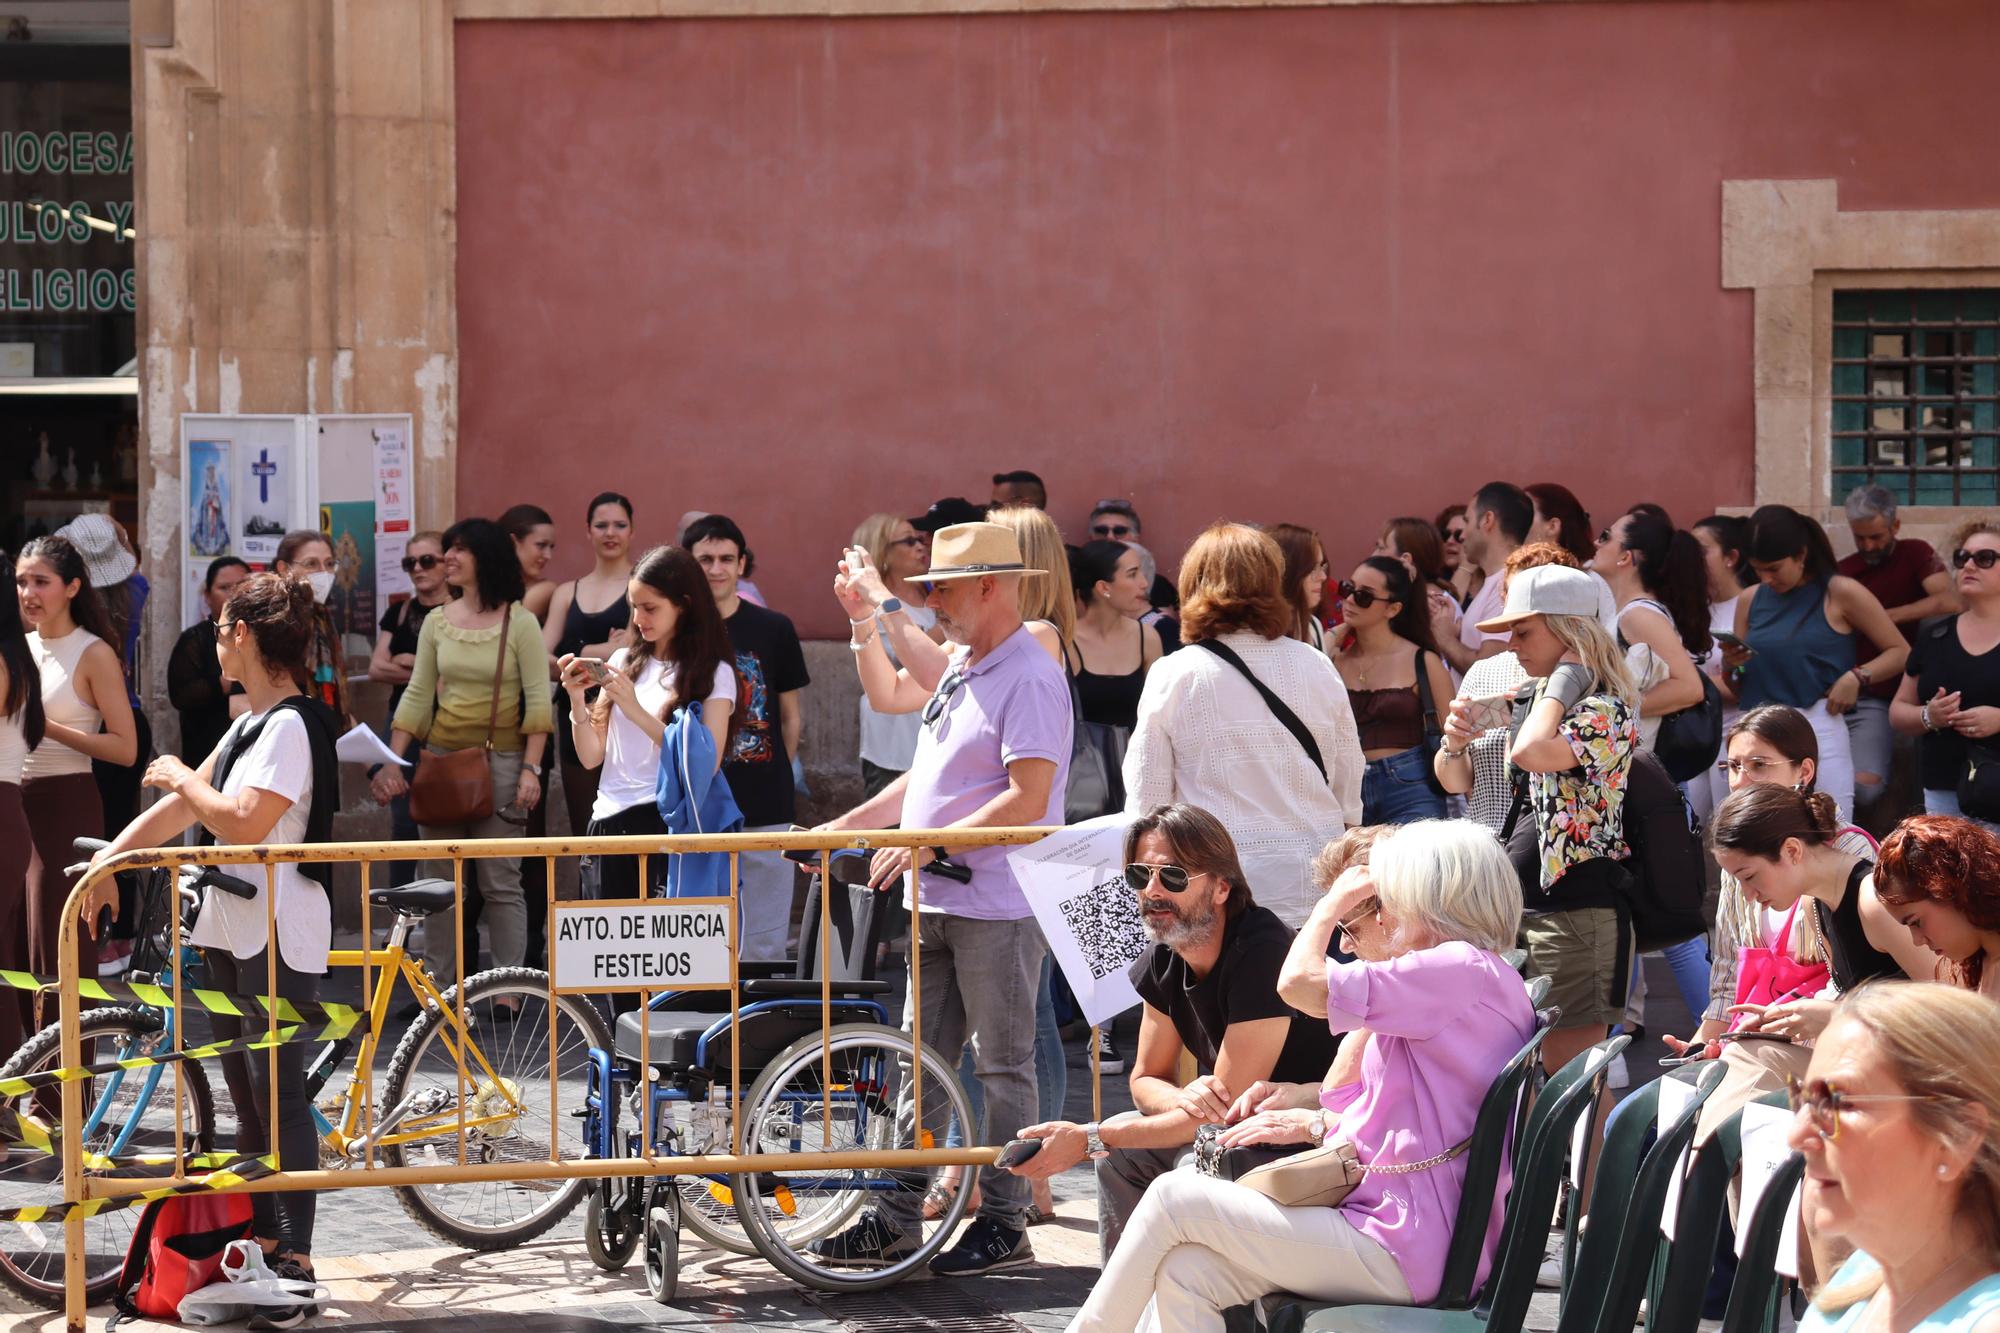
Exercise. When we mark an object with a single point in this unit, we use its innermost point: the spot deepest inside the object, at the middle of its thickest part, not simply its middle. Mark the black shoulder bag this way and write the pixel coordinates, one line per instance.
(1279, 709)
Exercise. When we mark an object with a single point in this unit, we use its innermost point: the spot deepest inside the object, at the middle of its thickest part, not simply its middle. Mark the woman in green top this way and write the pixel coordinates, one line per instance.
(448, 704)
(1899, 1122)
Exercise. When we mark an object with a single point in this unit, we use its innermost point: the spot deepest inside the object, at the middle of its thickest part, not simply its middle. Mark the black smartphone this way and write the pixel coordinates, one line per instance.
(1017, 1151)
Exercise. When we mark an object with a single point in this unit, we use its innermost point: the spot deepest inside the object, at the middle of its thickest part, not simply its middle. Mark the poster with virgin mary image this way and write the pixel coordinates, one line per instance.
(210, 526)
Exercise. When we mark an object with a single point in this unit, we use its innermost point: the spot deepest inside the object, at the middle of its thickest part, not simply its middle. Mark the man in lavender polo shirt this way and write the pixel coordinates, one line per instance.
(993, 753)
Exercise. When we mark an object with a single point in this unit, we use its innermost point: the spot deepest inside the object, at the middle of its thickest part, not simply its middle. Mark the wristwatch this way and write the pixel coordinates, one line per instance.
(1094, 1146)
(890, 606)
(1316, 1129)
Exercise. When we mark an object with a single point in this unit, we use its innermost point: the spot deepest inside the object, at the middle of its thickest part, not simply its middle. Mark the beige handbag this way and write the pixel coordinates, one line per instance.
(1319, 1177)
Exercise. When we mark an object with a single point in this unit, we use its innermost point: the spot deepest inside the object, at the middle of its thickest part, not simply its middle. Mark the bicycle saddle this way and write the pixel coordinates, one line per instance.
(419, 897)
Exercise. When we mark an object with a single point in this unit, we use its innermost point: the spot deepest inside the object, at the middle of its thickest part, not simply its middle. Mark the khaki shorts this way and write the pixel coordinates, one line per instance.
(1577, 951)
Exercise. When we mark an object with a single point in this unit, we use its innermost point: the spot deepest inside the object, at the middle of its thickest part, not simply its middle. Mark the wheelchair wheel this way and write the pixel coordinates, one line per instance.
(794, 1108)
(611, 1224)
(663, 1243)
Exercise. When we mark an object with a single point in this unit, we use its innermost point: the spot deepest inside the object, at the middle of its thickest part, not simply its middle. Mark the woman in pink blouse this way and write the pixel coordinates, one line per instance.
(1436, 1013)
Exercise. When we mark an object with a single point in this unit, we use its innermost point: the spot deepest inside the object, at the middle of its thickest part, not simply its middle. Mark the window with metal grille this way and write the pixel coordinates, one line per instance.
(1916, 395)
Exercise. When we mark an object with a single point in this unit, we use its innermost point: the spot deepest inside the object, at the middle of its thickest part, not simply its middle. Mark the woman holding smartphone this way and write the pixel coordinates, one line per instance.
(587, 618)
(682, 657)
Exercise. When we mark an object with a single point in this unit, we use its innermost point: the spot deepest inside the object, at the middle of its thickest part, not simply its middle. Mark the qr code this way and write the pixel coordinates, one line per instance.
(1105, 924)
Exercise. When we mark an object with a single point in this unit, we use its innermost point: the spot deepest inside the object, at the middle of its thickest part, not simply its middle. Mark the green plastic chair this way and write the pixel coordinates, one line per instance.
(1538, 1159)
(1681, 1270)
(1753, 1297)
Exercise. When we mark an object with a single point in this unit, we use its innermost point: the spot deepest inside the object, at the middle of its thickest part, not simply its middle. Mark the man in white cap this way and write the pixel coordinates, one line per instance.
(993, 752)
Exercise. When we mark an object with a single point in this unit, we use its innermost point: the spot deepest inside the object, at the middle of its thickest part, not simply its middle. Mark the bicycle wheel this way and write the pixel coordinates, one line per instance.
(128, 1105)
(794, 1108)
(423, 1077)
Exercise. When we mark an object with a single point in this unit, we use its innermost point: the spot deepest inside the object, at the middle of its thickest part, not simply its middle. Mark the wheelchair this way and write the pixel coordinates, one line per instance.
(663, 1090)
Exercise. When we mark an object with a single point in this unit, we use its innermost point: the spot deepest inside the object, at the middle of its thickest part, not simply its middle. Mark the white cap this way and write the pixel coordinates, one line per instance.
(1545, 590)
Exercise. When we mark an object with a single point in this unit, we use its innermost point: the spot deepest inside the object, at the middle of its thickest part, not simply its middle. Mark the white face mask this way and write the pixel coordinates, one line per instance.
(322, 585)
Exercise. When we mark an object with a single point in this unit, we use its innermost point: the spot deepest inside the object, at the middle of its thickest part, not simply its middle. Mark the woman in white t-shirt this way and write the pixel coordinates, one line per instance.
(257, 787)
(683, 655)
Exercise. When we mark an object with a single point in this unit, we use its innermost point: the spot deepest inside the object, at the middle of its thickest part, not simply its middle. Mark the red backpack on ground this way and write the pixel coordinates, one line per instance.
(177, 1248)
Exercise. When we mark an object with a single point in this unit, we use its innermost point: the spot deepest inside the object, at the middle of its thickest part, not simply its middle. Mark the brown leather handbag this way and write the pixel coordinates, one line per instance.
(457, 787)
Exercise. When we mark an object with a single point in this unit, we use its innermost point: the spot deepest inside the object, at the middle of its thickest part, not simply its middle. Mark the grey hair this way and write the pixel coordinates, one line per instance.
(1149, 568)
(1452, 877)
(1870, 501)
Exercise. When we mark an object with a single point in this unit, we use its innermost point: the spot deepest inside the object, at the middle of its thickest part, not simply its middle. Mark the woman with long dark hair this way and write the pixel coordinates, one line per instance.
(1465, 575)
(1388, 659)
(308, 555)
(533, 534)
(87, 715)
(21, 725)
(1799, 625)
(588, 617)
(682, 657)
(1656, 573)
(1111, 588)
(1416, 543)
(452, 704)
(271, 779)
(1305, 579)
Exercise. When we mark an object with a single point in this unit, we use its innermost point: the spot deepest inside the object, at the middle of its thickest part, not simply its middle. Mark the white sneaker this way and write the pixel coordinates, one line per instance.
(1620, 1077)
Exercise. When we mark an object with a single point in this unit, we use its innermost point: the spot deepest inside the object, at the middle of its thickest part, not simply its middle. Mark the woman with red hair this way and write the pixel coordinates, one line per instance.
(1940, 876)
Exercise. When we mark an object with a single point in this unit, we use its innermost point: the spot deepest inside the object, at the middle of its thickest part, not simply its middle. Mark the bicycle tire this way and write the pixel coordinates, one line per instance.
(107, 1234)
(426, 1204)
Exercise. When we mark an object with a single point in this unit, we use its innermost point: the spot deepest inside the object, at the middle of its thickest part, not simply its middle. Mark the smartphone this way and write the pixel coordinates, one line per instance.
(1728, 640)
(1492, 712)
(597, 670)
(1017, 1151)
(1676, 1061)
(1755, 1036)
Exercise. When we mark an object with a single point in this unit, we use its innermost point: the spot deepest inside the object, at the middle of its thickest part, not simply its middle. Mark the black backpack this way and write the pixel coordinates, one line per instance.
(1665, 887)
(322, 731)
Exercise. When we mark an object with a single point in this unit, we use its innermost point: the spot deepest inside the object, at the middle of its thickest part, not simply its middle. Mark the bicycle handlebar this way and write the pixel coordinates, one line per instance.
(210, 877)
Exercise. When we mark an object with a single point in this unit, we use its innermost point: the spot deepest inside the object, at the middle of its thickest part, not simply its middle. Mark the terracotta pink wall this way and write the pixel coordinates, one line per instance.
(1321, 265)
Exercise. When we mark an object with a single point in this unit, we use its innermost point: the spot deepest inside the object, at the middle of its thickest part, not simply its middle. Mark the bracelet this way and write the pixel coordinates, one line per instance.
(1861, 674)
(1450, 753)
(1926, 714)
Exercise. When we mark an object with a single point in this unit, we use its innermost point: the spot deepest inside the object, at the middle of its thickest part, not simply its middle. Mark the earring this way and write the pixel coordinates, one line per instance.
(1943, 1170)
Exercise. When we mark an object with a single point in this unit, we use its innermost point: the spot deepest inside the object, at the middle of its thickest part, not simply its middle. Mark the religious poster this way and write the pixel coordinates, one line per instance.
(393, 512)
(264, 499)
(210, 524)
(350, 528)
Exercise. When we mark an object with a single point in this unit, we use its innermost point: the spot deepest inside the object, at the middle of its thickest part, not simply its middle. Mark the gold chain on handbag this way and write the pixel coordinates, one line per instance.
(1403, 1169)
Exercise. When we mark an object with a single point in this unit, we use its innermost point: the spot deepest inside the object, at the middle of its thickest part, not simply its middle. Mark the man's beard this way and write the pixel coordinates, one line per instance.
(1877, 558)
(1191, 926)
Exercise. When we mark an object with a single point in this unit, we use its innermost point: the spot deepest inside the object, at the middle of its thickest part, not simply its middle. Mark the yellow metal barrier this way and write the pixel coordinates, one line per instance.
(367, 1173)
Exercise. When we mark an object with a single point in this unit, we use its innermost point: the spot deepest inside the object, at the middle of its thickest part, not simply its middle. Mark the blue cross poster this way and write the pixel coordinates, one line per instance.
(263, 500)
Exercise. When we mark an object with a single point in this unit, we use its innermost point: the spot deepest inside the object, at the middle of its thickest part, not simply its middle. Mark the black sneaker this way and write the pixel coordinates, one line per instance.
(869, 1243)
(1110, 1060)
(984, 1247)
(290, 1316)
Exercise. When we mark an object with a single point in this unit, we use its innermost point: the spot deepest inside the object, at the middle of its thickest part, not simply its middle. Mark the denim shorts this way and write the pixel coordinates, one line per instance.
(1394, 789)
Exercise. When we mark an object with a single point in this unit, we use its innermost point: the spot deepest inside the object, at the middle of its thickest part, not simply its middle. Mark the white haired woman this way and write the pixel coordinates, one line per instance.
(1437, 1013)
(1899, 1122)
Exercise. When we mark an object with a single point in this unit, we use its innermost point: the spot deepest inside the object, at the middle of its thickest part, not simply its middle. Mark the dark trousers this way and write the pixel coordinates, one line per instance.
(618, 876)
(59, 810)
(15, 844)
(118, 793)
(286, 1218)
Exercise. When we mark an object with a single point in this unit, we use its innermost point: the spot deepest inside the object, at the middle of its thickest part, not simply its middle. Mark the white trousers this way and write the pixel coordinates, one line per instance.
(1836, 758)
(1197, 1245)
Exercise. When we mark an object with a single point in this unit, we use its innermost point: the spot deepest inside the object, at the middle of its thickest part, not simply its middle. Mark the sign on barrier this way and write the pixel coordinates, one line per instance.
(641, 944)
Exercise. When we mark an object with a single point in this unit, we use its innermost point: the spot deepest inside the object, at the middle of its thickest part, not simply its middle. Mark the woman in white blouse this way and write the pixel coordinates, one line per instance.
(1208, 736)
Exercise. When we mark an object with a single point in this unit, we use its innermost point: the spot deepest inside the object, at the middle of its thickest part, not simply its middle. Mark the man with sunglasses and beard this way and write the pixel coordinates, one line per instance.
(1210, 987)
(993, 752)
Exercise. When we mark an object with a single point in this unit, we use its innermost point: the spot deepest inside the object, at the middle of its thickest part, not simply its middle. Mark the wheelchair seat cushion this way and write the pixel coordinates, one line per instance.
(672, 1037)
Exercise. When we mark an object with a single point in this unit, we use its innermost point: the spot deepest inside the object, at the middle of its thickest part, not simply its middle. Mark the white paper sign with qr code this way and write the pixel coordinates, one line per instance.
(1074, 880)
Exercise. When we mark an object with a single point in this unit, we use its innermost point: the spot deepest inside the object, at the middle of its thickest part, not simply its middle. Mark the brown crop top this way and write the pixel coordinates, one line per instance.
(1388, 719)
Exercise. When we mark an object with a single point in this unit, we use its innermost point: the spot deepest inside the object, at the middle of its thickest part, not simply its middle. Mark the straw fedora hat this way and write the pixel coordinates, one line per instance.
(95, 537)
(969, 550)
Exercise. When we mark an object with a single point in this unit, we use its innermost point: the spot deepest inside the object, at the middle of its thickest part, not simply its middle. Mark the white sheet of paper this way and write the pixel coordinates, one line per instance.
(1579, 1136)
(1074, 881)
(1787, 1261)
(1764, 1150)
(363, 746)
(1674, 1097)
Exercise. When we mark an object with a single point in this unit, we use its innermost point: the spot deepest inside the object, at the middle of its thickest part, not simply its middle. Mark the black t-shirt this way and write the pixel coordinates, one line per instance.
(401, 622)
(1939, 662)
(1242, 987)
(769, 662)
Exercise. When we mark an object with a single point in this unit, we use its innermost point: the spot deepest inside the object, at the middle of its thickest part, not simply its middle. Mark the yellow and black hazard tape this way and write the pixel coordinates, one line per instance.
(237, 1172)
(263, 1041)
(22, 1130)
(214, 1001)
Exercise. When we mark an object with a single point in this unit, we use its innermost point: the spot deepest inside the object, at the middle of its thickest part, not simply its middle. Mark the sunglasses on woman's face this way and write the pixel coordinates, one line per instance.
(907, 541)
(1984, 559)
(1361, 597)
(413, 563)
(1174, 879)
(1110, 531)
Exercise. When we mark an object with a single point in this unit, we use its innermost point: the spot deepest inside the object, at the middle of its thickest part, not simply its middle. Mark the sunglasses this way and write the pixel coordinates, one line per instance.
(1369, 907)
(1110, 530)
(1174, 879)
(908, 541)
(946, 688)
(1361, 597)
(413, 563)
(1824, 1104)
(1984, 559)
